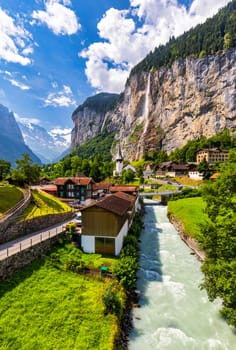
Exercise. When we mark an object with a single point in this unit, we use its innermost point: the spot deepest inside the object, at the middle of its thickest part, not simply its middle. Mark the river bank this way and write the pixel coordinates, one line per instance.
(191, 243)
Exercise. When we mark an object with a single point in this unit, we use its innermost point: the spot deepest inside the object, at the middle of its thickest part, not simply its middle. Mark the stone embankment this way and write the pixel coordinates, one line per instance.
(17, 261)
(191, 243)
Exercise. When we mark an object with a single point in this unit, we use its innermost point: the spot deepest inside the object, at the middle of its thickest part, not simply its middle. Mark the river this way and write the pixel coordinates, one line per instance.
(174, 314)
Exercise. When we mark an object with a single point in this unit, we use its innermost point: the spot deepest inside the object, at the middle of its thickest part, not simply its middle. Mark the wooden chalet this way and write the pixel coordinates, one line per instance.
(79, 188)
(106, 223)
(174, 169)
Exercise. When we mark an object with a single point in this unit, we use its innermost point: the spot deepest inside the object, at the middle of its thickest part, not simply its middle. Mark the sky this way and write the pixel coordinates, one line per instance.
(56, 53)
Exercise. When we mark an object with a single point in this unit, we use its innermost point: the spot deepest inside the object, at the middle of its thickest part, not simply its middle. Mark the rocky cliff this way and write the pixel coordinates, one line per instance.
(166, 107)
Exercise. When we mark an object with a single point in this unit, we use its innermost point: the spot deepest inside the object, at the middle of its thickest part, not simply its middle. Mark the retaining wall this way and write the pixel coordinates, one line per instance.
(17, 261)
(20, 228)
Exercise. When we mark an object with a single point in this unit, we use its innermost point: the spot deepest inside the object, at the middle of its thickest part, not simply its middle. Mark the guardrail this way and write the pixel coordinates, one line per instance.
(30, 242)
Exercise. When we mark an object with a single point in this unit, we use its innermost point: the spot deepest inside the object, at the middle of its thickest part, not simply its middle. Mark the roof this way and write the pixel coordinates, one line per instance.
(214, 176)
(123, 188)
(48, 188)
(125, 196)
(113, 204)
(101, 186)
(213, 150)
(84, 181)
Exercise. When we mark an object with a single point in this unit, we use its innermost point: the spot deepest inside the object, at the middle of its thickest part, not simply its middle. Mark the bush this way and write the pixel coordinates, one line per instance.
(111, 301)
(125, 271)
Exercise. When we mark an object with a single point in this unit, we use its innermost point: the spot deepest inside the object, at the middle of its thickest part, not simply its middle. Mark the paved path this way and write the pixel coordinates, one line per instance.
(24, 242)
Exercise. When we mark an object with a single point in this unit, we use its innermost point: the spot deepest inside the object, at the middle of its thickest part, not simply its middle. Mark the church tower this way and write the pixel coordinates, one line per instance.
(119, 162)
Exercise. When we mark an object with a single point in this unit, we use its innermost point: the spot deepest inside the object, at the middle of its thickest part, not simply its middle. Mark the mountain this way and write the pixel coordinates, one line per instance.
(12, 144)
(47, 146)
(179, 92)
(90, 117)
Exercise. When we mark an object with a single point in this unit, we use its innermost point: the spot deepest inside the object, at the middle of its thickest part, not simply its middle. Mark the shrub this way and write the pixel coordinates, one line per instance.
(111, 301)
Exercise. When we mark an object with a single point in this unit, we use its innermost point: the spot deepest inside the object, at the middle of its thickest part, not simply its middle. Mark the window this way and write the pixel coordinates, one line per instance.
(70, 186)
(70, 194)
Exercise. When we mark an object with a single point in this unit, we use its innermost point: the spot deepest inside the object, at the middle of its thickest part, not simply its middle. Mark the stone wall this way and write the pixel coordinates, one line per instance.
(24, 227)
(17, 261)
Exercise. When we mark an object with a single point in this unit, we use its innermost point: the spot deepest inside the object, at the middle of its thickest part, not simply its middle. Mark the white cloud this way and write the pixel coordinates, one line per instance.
(59, 18)
(61, 136)
(25, 120)
(14, 40)
(18, 84)
(63, 98)
(128, 35)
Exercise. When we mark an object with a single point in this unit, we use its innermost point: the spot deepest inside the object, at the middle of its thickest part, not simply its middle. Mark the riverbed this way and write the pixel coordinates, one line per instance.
(175, 314)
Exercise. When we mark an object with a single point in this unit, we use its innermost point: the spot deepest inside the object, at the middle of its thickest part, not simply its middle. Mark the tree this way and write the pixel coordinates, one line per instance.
(5, 167)
(26, 171)
(128, 175)
(203, 168)
(219, 239)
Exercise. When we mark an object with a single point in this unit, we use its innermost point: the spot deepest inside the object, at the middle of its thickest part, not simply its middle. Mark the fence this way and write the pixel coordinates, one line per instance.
(29, 242)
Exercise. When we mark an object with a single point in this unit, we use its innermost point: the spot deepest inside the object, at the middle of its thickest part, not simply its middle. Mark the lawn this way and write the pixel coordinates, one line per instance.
(9, 196)
(43, 307)
(44, 204)
(190, 211)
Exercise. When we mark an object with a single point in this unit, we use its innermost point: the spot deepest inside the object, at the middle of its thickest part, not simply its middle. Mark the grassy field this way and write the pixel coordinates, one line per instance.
(9, 196)
(44, 204)
(191, 212)
(43, 307)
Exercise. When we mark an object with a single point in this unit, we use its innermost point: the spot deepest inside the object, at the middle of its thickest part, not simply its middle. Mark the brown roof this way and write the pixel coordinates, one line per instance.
(112, 203)
(125, 196)
(76, 180)
(123, 188)
(101, 186)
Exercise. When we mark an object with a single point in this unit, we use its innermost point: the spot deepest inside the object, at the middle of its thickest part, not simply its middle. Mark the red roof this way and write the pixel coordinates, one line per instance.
(84, 181)
(48, 188)
(123, 188)
(101, 186)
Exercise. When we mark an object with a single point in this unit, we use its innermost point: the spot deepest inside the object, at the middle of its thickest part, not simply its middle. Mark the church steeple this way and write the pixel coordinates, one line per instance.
(119, 162)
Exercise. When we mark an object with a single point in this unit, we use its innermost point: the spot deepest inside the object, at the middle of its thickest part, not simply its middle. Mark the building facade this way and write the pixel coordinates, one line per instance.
(79, 188)
(212, 155)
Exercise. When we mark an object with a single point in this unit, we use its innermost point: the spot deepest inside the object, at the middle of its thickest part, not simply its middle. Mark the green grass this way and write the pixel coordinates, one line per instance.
(43, 307)
(9, 196)
(44, 204)
(190, 211)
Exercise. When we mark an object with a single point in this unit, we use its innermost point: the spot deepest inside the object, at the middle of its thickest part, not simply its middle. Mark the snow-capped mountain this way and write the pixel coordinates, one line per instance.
(46, 145)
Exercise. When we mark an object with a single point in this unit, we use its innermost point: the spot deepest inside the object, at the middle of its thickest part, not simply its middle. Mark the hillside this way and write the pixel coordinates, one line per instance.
(182, 91)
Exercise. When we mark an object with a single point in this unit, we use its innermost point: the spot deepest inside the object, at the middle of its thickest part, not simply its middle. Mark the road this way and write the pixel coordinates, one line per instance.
(24, 242)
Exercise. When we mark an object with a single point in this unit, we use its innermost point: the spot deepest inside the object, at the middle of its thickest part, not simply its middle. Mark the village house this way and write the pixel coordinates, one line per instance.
(174, 169)
(106, 223)
(212, 155)
(77, 188)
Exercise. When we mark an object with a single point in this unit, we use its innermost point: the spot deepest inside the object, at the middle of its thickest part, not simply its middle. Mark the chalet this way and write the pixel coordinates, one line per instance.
(174, 169)
(212, 155)
(79, 188)
(100, 189)
(105, 224)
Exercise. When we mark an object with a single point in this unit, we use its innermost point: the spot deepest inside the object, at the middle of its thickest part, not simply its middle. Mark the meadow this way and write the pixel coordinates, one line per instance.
(9, 196)
(45, 306)
(44, 204)
(190, 211)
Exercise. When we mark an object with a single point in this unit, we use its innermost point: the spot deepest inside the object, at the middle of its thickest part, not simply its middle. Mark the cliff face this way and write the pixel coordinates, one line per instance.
(165, 108)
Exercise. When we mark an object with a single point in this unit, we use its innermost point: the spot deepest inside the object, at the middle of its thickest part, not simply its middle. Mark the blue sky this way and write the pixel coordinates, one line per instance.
(56, 53)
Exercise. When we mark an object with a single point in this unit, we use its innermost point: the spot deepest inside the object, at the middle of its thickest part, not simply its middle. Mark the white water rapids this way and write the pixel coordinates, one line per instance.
(174, 314)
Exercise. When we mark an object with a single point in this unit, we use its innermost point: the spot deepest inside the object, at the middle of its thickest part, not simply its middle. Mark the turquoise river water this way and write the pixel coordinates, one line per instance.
(174, 314)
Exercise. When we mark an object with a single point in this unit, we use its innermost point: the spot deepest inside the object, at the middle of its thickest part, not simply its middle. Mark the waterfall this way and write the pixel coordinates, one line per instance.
(145, 116)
